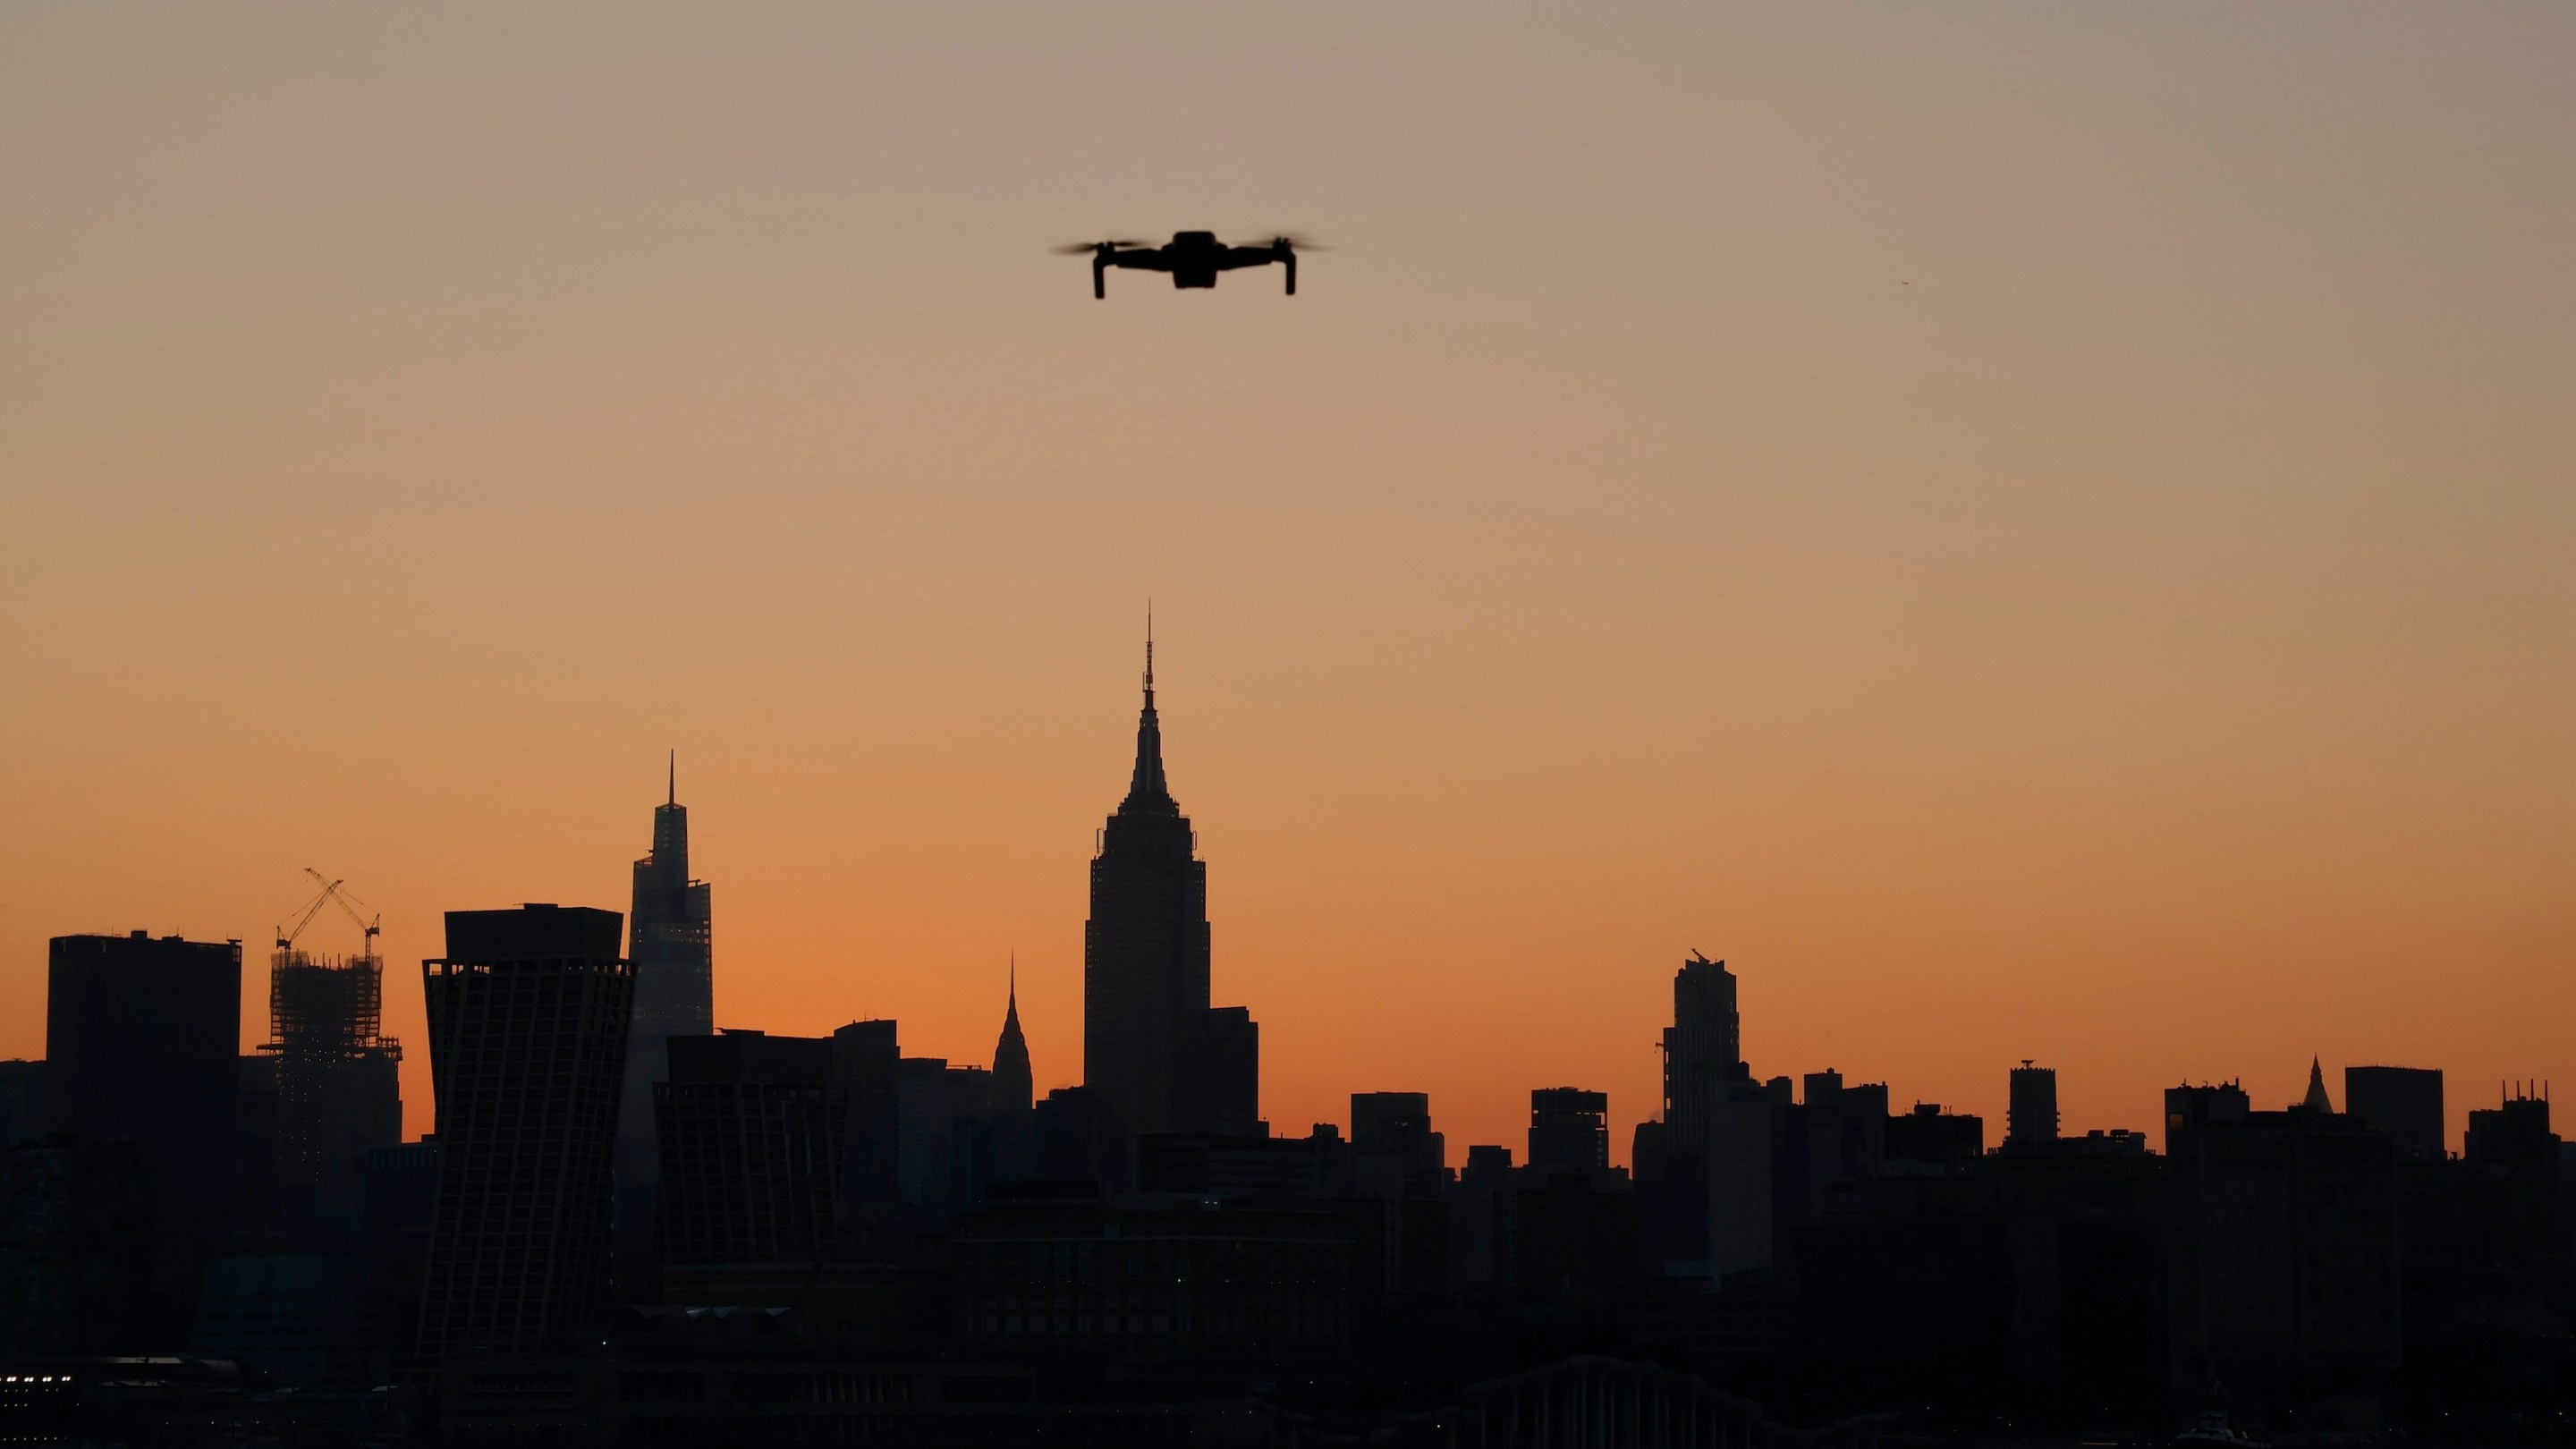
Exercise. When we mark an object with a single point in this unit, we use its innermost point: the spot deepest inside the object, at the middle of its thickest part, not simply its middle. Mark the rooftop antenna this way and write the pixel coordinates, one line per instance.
(675, 776)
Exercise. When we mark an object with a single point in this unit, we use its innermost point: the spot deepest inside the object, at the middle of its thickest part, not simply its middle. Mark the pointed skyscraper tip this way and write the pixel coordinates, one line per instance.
(2316, 1100)
(675, 779)
(1146, 791)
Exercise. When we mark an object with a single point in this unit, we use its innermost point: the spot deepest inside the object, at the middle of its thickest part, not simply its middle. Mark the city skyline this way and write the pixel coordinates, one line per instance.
(670, 858)
(2034, 534)
(1854, 724)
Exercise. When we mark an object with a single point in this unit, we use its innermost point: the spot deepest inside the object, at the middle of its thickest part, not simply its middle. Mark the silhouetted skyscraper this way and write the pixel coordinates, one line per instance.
(339, 1090)
(1149, 1050)
(2031, 1118)
(1221, 1073)
(2281, 1249)
(1711, 1174)
(751, 1149)
(143, 1042)
(528, 1016)
(1569, 1129)
(1394, 1151)
(944, 1134)
(1014, 1084)
(22, 1101)
(2316, 1099)
(671, 944)
(1014, 1093)
(1703, 1048)
(1846, 1129)
(2405, 1103)
(867, 1067)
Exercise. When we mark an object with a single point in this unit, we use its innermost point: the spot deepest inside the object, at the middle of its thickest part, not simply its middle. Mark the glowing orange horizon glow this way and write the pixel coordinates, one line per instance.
(2035, 537)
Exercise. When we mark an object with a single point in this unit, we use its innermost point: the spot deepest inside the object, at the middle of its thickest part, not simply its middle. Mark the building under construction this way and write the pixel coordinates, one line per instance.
(338, 1085)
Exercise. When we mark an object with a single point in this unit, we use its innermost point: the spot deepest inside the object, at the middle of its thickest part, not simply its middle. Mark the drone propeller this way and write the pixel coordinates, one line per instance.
(1075, 249)
(1294, 241)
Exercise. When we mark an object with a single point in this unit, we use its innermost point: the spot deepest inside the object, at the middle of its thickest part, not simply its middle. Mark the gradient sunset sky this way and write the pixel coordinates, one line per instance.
(2030, 530)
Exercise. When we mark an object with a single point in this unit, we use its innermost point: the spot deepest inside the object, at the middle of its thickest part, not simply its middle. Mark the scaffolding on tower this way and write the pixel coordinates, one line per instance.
(337, 1073)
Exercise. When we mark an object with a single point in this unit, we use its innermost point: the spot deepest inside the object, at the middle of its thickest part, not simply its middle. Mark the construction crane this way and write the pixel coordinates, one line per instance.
(331, 894)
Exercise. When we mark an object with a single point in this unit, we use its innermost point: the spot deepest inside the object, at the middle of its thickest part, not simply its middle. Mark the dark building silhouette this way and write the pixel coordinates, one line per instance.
(1393, 1150)
(944, 1156)
(1080, 1141)
(1205, 1277)
(1221, 1067)
(2316, 1099)
(142, 1043)
(398, 1200)
(1929, 1138)
(1672, 1201)
(1703, 1051)
(1013, 1095)
(2404, 1102)
(400, 1196)
(867, 1064)
(671, 943)
(1569, 1129)
(2514, 1134)
(2281, 1250)
(1567, 1232)
(1158, 1058)
(260, 1217)
(2511, 1165)
(751, 1148)
(1248, 1169)
(301, 1319)
(2032, 1108)
(76, 1249)
(1475, 1214)
(22, 1101)
(1846, 1131)
(1705, 1175)
(528, 1016)
(337, 1083)
(1014, 1089)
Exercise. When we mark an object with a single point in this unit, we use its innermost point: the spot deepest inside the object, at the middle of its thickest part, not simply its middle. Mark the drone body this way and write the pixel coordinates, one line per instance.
(1192, 257)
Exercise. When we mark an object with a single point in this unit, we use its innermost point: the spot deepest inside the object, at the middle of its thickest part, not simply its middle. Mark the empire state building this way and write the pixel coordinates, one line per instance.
(1152, 1048)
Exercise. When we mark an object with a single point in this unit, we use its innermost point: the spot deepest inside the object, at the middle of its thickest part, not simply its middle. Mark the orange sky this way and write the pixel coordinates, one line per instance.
(2031, 532)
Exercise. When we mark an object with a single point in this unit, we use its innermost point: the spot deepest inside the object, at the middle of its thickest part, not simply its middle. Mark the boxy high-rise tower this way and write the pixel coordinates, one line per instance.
(528, 1019)
(143, 1043)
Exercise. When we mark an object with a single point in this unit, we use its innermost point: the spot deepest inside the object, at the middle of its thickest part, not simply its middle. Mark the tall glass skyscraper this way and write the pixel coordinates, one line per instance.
(671, 945)
(527, 1044)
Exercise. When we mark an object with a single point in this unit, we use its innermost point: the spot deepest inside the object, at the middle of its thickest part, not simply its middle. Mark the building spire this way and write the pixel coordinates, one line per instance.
(1014, 1087)
(675, 779)
(2316, 1100)
(1147, 793)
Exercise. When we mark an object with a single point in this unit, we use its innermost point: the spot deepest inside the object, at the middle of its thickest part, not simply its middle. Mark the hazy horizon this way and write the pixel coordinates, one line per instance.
(2031, 532)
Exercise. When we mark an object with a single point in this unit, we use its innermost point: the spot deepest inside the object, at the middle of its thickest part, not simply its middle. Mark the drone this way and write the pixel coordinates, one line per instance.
(1193, 258)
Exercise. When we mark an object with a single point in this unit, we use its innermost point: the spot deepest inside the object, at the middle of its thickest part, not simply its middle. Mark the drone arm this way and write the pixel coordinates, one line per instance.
(1288, 259)
(1100, 274)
